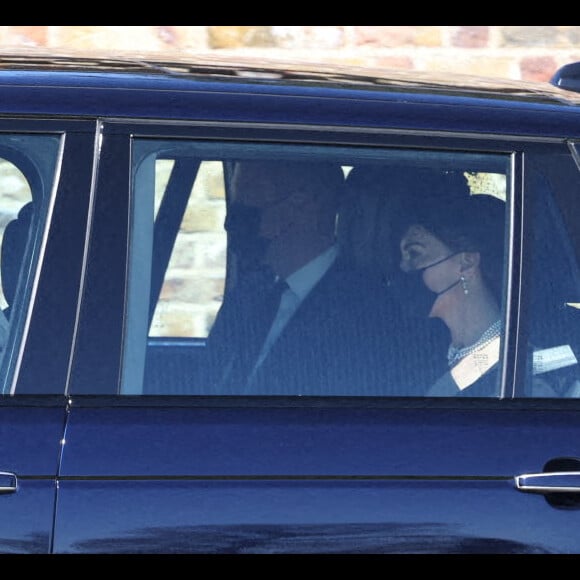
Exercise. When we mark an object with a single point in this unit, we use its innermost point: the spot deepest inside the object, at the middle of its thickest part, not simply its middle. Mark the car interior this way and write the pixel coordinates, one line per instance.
(366, 231)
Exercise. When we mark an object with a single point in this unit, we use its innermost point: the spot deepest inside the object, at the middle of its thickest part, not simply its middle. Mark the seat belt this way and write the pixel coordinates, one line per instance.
(467, 371)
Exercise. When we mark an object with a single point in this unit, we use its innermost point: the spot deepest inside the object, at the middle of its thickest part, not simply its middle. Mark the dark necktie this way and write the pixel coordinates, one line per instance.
(258, 321)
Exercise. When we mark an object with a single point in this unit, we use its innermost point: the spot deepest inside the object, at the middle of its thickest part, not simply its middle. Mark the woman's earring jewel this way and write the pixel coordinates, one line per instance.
(464, 285)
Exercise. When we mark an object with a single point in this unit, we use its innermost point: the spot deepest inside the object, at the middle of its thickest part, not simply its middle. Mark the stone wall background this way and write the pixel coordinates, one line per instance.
(514, 52)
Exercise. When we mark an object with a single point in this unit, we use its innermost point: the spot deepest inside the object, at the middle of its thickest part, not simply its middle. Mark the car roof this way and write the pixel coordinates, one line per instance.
(266, 71)
(149, 86)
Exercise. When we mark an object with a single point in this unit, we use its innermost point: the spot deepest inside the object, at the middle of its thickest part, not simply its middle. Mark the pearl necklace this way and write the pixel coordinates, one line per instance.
(454, 354)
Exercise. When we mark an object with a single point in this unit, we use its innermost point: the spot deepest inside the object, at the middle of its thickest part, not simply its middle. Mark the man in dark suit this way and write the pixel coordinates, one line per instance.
(335, 329)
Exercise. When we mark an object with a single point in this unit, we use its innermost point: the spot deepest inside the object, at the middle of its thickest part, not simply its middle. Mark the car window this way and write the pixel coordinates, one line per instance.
(204, 238)
(552, 278)
(189, 297)
(27, 169)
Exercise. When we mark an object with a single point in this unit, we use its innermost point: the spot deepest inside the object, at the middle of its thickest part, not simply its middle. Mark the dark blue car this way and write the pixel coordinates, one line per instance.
(134, 417)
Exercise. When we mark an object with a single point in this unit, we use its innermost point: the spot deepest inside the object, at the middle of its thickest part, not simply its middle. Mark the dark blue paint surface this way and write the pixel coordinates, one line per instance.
(153, 97)
(30, 444)
(305, 480)
(198, 441)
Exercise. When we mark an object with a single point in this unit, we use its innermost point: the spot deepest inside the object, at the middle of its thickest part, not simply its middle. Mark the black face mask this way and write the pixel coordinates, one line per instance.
(416, 298)
(243, 227)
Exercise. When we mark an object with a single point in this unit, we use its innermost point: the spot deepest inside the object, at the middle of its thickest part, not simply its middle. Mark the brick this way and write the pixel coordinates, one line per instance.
(204, 218)
(397, 36)
(209, 183)
(183, 38)
(428, 36)
(173, 321)
(533, 36)
(308, 37)
(189, 289)
(378, 60)
(323, 37)
(538, 68)
(470, 36)
(395, 62)
(107, 38)
(573, 36)
(205, 250)
(462, 63)
(239, 36)
(36, 36)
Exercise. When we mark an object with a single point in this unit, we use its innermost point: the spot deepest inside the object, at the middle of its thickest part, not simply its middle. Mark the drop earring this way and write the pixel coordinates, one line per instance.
(464, 285)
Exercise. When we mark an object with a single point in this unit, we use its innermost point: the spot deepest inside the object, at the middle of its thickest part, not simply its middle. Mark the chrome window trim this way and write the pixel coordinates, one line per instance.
(339, 129)
(98, 140)
(10, 386)
(574, 147)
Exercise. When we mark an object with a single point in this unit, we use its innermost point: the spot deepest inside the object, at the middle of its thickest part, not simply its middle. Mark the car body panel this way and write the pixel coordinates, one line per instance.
(310, 479)
(30, 445)
(307, 516)
(317, 441)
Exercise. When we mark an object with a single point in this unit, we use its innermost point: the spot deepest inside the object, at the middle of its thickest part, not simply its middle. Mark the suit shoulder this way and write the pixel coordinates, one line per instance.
(363, 281)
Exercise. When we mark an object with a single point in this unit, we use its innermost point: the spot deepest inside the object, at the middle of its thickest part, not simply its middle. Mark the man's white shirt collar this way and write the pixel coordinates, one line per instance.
(303, 280)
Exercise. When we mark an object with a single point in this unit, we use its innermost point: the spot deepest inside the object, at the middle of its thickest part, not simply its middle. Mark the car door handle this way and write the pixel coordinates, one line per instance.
(551, 482)
(8, 482)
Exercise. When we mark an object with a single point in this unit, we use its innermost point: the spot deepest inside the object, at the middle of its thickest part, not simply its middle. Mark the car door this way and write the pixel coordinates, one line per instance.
(43, 184)
(158, 461)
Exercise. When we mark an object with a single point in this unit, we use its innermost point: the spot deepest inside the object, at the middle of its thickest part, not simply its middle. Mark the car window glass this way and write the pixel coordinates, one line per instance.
(27, 169)
(209, 226)
(190, 296)
(553, 279)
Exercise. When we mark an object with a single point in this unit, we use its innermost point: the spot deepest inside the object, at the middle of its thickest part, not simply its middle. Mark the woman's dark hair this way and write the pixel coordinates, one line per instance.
(464, 222)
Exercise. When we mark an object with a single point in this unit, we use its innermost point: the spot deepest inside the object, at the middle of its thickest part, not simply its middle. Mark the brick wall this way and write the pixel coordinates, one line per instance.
(516, 52)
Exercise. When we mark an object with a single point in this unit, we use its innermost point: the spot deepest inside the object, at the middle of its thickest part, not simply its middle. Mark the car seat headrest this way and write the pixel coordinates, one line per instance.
(12, 251)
